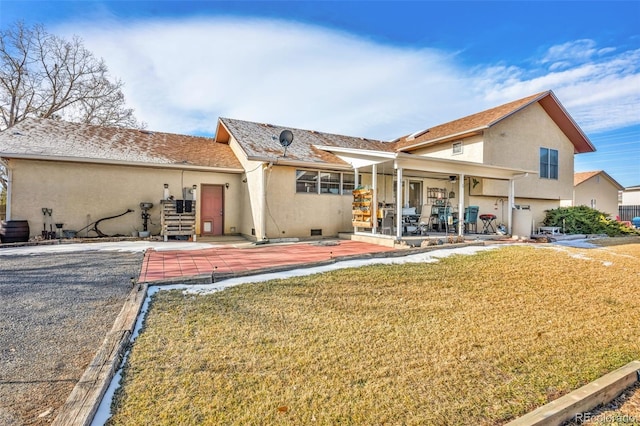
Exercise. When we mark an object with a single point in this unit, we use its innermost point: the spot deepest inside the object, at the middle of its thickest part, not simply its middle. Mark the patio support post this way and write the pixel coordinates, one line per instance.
(355, 186)
(461, 205)
(398, 202)
(374, 201)
(266, 167)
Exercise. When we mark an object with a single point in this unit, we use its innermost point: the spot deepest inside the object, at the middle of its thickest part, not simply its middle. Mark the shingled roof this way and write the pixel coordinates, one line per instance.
(475, 123)
(260, 141)
(39, 138)
(581, 177)
(52, 139)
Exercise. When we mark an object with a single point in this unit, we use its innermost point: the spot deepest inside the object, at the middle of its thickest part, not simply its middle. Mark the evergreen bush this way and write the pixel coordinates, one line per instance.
(585, 220)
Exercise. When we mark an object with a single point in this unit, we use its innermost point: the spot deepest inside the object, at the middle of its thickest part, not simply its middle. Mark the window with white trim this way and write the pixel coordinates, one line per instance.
(348, 183)
(306, 181)
(322, 182)
(456, 148)
(329, 183)
(549, 163)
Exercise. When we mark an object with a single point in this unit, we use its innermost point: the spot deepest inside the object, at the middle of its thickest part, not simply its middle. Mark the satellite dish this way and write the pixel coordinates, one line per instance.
(286, 138)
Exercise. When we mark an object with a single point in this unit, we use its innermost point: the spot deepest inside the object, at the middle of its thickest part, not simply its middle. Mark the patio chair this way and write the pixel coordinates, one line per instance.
(471, 218)
(444, 213)
(388, 223)
(426, 220)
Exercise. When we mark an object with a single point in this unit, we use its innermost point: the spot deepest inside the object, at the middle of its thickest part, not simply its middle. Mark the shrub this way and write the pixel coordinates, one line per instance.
(585, 220)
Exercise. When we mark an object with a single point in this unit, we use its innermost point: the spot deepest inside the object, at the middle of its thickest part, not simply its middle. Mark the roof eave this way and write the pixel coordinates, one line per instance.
(284, 161)
(181, 166)
(580, 141)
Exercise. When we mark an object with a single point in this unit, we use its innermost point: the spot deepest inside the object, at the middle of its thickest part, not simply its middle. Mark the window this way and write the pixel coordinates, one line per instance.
(548, 163)
(348, 183)
(321, 182)
(329, 183)
(457, 148)
(306, 181)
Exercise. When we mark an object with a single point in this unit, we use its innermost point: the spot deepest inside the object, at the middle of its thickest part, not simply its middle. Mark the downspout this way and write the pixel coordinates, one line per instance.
(9, 192)
(512, 201)
(266, 167)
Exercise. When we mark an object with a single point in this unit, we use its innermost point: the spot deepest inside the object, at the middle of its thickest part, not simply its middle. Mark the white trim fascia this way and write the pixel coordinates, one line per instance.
(65, 159)
(358, 158)
(357, 151)
(284, 161)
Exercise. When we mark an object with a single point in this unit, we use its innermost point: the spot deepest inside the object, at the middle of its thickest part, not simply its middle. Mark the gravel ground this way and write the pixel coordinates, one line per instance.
(55, 312)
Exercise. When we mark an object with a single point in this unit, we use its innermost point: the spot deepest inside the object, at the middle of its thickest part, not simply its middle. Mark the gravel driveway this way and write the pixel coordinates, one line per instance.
(55, 310)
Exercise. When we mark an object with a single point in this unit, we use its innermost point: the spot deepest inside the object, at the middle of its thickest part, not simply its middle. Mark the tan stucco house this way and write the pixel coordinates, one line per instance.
(514, 158)
(598, 190)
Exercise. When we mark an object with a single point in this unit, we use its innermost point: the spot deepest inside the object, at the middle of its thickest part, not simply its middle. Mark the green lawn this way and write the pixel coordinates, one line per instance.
(476, 339)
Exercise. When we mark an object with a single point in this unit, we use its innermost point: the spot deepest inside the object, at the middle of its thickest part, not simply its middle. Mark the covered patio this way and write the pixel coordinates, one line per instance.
(434, 197)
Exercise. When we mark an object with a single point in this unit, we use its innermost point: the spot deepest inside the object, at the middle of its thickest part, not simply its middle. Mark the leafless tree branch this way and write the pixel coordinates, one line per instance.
(42, 75)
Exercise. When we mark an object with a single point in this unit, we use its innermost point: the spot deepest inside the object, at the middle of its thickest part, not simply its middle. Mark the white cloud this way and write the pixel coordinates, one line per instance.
(181, 75)
(600, 95)
(577, 50)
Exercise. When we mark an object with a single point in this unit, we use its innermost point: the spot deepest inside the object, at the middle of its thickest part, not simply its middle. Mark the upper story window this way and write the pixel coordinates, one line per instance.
(321, 182)
(456, 148)
(548, 163)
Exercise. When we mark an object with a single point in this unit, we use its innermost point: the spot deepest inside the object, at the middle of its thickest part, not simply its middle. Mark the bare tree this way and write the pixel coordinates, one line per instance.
(42, 75)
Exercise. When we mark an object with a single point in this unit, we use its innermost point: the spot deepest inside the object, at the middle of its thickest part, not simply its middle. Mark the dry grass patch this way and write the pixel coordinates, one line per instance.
(468, 340)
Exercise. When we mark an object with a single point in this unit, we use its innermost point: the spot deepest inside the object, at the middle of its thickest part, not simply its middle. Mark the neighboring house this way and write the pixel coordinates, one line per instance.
(629, 203)
(631, 196)
(517, 154)
(598, 190)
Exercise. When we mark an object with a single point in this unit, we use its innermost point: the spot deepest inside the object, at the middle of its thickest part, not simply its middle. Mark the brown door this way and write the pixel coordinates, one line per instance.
(211, 210)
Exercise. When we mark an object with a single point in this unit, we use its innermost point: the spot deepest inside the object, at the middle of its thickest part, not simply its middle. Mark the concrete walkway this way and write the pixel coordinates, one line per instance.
(228, 260)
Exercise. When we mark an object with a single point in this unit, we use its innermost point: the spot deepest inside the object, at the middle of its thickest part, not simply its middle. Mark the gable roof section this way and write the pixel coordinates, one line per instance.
(582, 177)
(476, 123)
(261, 142)
(45, 139)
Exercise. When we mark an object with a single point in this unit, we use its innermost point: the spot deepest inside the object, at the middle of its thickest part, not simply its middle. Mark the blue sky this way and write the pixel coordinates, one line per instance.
(377, 69)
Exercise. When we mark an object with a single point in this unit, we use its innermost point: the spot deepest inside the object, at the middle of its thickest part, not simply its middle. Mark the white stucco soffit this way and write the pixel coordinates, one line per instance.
(359, 158)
